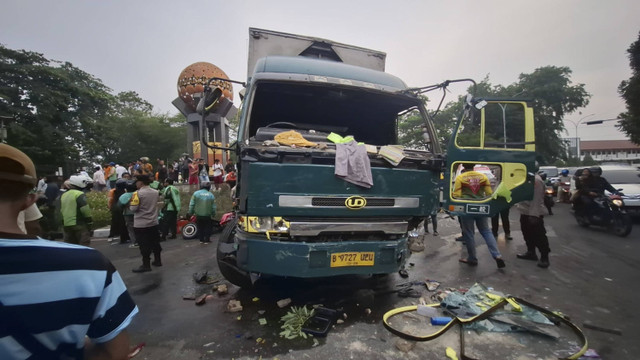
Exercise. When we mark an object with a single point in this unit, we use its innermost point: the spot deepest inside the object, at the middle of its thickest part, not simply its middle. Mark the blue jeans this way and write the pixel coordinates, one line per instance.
(468, 223)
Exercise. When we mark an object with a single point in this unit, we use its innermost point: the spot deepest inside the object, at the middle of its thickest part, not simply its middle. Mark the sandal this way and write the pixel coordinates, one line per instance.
(468, 262)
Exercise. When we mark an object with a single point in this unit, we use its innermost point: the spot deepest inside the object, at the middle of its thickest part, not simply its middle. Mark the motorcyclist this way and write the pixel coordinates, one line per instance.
(594, 186)
(548, 200)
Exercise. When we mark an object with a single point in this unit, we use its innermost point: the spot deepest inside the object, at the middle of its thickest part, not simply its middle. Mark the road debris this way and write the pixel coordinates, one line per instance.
(222, 289)
(404, 345)
(283, 302)
(591, 326)
(234, 306)
(431, 285)
(201, 300)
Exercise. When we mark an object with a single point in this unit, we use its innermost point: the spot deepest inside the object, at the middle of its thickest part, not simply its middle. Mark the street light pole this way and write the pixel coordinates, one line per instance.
(577, 138)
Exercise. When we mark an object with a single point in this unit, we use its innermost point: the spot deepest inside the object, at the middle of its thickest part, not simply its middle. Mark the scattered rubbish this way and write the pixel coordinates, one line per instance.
(255, 299)
(234, 306)
(339, 321)
(367, 311)
(344, 315)
(259, 340)
(284, 302)
(440, 320)
(136, 350)
(200, 300)
(205, 278)
(407, 290)
(239, 317)
(222, 289)
(315, 342)
(504, 314)
(412, 264)
(188, 297)
(432, 285)
(608, 279)
(294, 320)
(403, 273)
(209, 344)
(590, 354)
(322, 320)
(591, 326)
(451, 354)
(262, 321)
(425, 310)
(261, 312)
(404, 345)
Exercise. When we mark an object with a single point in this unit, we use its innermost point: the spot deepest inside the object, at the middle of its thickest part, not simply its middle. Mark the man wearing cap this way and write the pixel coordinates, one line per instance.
(145, 223)
(57, 300)
(203, 206)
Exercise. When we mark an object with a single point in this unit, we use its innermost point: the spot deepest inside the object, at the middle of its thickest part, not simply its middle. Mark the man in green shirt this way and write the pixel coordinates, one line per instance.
(76, 213)
(171, 196)
(203, 206)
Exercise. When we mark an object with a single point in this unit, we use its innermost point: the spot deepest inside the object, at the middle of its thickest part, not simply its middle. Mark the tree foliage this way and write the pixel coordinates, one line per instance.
(630, 92)
(65, 117)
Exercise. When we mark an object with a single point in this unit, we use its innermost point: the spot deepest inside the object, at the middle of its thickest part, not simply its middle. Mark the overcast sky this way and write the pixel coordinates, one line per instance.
(144, 45)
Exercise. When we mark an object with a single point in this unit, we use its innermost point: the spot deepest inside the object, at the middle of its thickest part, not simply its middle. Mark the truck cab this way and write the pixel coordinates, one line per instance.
(297, 214)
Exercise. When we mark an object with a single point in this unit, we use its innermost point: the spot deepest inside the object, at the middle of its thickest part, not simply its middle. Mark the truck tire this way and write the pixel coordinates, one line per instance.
(227, 259)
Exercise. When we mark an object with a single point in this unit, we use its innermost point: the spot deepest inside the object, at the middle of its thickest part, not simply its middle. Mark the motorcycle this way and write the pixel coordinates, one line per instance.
(609, 212)
(548, 199)
(564, 192)
(189, 229)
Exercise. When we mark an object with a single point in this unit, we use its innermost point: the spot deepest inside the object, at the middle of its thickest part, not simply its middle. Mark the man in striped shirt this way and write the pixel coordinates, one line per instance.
(57, 300)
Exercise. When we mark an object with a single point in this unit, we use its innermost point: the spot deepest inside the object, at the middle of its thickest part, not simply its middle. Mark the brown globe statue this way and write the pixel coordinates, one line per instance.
(194, 77)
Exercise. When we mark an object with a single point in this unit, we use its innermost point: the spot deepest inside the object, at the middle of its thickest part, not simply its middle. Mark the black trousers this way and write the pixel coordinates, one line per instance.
(205, 228)
(169, 223)
(504, 214)
(149, 240)
(535, 235)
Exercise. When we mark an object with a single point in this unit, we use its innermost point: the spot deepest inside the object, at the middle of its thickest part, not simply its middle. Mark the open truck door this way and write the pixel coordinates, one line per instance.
(497, 137)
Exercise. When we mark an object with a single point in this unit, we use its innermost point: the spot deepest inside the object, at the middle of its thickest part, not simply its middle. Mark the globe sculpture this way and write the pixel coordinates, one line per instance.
(194, 77)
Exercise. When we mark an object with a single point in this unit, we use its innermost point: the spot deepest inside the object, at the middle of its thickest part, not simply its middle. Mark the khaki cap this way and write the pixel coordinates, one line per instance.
(28, 172)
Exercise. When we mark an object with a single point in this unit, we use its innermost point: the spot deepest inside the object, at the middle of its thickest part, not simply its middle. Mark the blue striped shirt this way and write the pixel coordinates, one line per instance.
(58, 293)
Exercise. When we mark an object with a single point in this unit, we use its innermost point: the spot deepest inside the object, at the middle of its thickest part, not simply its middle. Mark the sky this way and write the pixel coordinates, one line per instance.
(143, 45)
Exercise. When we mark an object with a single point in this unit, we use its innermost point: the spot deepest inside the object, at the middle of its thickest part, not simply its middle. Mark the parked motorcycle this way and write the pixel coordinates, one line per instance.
(189, 229)
(610, 213)
(564, 192)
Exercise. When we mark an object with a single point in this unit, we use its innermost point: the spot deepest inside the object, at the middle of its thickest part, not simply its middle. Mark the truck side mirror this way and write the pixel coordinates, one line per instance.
(208, 100)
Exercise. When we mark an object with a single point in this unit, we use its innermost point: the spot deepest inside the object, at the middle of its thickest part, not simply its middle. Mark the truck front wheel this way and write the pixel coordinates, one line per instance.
(226, 257)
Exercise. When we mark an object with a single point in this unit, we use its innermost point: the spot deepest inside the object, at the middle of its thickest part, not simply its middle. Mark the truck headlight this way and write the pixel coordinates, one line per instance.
(617, 202)
(263, 224)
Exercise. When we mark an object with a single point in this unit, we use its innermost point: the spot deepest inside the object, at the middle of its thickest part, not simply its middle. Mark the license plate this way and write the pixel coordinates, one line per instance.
(352, 259)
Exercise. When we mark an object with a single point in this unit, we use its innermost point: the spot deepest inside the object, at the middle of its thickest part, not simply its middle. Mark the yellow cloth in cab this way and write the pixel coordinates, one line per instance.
(293, 137)
(503, 191)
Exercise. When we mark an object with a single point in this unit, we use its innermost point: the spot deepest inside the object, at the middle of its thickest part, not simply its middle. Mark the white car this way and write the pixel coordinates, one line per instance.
(626, 178)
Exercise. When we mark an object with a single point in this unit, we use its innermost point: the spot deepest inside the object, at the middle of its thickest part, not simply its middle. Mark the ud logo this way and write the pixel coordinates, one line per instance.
(355, 202)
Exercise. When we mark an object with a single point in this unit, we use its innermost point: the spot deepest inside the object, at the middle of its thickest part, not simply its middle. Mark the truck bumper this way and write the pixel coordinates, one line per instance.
(308, 260)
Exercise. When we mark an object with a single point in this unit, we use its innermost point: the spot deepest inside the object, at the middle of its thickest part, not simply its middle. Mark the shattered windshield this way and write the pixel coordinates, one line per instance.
(369, 116)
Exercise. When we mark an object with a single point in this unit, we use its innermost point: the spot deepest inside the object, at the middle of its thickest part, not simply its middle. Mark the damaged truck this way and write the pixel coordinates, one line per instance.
(323, 187)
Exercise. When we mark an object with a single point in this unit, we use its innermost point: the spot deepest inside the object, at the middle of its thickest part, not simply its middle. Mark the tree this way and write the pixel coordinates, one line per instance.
(65, 117)
(55, 106)
(630, 92)
(554, 96)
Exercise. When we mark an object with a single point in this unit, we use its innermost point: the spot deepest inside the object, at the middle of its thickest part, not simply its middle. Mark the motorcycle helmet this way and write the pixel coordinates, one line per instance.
(564, 172)
(596, 170)
(80, 181)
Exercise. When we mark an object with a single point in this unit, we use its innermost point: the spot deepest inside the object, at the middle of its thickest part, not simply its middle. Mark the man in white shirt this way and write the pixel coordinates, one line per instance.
(120, 170)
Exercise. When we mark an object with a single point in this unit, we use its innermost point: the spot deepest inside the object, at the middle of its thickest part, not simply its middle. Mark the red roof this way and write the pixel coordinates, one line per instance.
(608, 145)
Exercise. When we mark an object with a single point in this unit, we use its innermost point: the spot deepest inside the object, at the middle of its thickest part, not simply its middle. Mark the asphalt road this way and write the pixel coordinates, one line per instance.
(592, 278)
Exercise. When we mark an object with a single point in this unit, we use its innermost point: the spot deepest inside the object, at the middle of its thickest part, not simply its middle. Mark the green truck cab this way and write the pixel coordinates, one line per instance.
(294, 216)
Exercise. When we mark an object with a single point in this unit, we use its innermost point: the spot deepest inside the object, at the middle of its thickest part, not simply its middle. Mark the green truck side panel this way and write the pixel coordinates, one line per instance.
(267, 181)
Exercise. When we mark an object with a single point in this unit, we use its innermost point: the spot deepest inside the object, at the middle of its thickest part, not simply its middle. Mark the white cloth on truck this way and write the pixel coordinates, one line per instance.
(353, 164)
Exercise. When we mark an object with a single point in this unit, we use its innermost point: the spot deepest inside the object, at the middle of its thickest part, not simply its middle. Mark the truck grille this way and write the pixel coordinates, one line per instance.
(334, 201)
